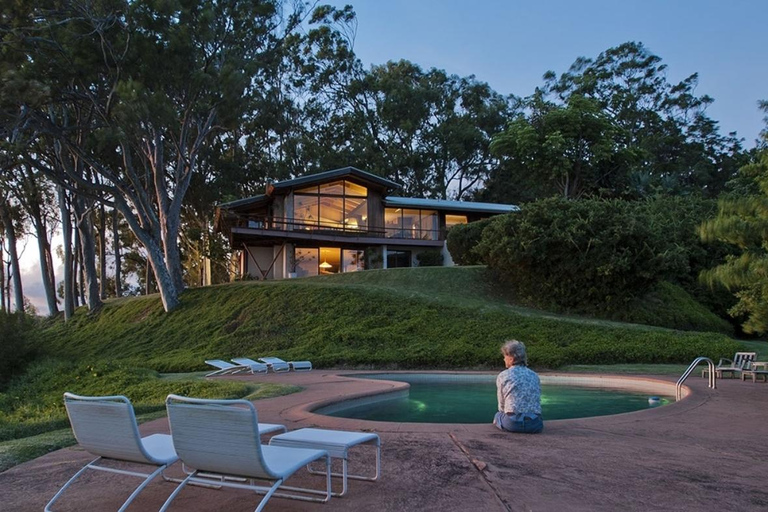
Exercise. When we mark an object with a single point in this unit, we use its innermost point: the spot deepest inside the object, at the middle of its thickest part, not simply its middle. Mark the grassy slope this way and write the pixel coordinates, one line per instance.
(419, 317)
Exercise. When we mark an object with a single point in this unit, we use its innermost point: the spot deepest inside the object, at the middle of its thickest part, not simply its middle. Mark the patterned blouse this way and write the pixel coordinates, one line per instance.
(519, 390)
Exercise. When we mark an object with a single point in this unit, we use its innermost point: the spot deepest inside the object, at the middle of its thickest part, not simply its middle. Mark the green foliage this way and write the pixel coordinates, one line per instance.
(17, 349)
(433, 258)
(587, 255)
(33, 403)
(742, 221)
(438, 317)
(613, 126)
(668, 305)
(599, 257)
(462, 242)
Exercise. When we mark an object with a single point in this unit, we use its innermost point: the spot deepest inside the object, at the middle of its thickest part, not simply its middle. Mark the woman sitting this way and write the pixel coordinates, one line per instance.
(519, 392)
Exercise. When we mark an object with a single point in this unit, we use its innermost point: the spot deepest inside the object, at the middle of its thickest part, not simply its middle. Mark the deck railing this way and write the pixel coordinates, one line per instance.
(326, 227)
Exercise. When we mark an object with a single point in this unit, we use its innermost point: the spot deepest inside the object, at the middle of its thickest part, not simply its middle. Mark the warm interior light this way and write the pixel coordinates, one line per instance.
(352, 223)
(325, 265)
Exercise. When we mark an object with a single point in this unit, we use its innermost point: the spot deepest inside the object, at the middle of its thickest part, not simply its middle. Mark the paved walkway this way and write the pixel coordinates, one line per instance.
(707, 452)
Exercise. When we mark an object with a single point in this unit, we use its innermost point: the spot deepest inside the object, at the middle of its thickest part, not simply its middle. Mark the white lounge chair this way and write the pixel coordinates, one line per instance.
(225, 368)
(740, 361)
(297, 366)
(256, 366)
(220, 438)
(106, 427)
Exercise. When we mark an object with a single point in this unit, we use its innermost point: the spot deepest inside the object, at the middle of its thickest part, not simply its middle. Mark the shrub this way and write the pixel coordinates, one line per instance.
(16, 344)
(588, 255)
(430, 259)
(462, 242)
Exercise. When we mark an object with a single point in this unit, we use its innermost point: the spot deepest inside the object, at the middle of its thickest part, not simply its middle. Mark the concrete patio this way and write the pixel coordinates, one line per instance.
(706, 452)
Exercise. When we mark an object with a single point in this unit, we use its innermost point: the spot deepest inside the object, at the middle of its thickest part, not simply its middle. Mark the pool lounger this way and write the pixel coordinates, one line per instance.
(279, 365)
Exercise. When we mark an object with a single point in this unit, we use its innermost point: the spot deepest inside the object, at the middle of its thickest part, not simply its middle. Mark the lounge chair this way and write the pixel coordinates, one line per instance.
(755, 369)
(284, 366)
(725, 365)
(256, 366)
(106, 427)
(220, 438)
(225, 368)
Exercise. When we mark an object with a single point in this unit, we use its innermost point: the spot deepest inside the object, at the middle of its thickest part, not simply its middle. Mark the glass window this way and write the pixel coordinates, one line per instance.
(393, 222)
(308, 190)
(353, 260)
(353, 189)
(411, 224)
(398, 259)
(452, 220)
(305, 211)
(331, 212)
(305, 262)
(428, 225)
(335, 188)
(355, 213)
(330, 260)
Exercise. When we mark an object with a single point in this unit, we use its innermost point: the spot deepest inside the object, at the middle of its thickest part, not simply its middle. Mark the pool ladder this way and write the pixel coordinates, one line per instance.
(712, 376)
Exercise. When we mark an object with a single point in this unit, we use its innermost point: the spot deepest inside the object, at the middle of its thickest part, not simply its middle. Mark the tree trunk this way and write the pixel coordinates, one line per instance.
(46, 260)
(79, 278)
(116, 249)
(88, 247)
(102, 233)
(66, 229)
(2, 275)
(10, 235)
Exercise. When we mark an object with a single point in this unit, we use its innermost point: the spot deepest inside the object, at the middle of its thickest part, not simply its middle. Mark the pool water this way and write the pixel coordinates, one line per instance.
(475, 402)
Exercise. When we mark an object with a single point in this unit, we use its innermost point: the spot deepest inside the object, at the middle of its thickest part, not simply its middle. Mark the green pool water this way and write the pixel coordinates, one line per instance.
(475, 402)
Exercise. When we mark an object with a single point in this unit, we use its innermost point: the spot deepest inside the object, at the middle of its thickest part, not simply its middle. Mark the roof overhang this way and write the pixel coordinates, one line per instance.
(449, 206)
(344, 172)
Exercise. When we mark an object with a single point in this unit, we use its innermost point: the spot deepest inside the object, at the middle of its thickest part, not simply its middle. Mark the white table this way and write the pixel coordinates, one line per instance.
(337, 443)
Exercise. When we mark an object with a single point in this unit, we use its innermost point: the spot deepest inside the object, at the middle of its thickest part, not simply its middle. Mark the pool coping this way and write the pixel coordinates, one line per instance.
(305, 411)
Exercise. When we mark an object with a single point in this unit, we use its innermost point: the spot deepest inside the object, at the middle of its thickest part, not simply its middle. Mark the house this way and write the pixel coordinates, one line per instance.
(340, 221)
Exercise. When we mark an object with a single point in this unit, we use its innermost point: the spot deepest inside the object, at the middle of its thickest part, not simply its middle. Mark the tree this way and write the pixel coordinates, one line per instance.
(138, 91)
(742, 221)
(619, 119)
(570, 148)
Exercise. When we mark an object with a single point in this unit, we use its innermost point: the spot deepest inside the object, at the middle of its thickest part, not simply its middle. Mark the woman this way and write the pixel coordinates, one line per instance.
(519, 392)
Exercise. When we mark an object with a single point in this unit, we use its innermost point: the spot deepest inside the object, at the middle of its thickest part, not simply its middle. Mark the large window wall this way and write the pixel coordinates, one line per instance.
(411, 224)
(312, 261)
(340, 205)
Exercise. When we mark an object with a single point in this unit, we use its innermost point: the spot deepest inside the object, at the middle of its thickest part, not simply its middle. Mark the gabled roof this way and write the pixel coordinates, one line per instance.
(336, 173)
(443, 204)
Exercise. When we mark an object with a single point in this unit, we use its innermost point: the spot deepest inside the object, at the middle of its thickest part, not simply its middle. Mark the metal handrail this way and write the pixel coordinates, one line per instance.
(712, 376)
(294, 224)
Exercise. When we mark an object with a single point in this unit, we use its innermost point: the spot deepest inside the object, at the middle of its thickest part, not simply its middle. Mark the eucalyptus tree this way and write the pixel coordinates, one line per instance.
(148, 84)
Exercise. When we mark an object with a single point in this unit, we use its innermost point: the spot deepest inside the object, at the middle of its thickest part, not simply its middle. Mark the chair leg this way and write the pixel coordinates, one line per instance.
(177, 491)
(148, 478)
(141, 487)
(266, 497)
(69, 482)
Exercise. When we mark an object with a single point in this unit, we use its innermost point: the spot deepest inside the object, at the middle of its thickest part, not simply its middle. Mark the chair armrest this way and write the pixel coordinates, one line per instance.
(730, 363)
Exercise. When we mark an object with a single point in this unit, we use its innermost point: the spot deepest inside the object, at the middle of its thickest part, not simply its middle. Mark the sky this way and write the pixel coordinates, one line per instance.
(511, 44)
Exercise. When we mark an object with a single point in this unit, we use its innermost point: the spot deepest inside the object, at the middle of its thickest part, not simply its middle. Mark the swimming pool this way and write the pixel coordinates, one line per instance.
(458, 398)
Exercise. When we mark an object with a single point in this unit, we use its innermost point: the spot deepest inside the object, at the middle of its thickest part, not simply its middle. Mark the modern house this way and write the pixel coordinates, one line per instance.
(340, 221)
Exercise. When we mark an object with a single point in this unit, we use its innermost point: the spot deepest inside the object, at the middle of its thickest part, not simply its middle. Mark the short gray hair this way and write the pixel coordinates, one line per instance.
(516, 350)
